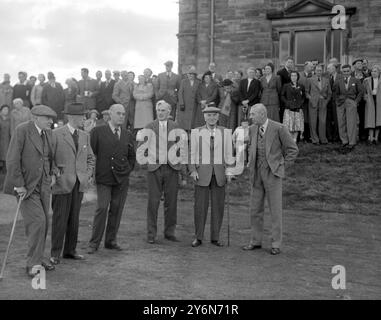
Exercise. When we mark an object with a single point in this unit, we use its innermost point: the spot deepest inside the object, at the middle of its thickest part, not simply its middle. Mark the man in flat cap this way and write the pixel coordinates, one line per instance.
(209, 171)
(113, 146)
(75, 160)
(30, 165)
(168, 84)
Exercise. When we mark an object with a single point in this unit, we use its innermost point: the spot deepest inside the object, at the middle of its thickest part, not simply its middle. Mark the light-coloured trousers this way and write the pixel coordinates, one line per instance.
(347, 122)
(315, 112)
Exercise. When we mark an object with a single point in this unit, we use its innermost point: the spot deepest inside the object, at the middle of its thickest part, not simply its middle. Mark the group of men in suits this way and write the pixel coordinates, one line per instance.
(61, 163)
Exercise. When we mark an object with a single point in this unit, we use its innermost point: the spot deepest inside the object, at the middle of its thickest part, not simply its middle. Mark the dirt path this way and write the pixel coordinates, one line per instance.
(313, 243)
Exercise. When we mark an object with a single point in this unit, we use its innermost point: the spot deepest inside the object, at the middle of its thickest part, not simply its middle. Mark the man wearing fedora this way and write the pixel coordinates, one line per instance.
(30, 167)
(168, 85)
(209, 171)
(75, 161)
(188, 99)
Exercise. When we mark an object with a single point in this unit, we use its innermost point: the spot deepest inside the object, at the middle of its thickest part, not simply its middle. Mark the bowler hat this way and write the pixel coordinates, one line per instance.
(42, 110)
(75, 108)
(227, 82)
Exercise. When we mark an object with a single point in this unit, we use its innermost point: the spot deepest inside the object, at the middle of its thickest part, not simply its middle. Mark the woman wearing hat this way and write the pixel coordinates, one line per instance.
(91, 122)
(372, 96)
(5, 134)
(271, 90)
(188, 100)
(206, 94)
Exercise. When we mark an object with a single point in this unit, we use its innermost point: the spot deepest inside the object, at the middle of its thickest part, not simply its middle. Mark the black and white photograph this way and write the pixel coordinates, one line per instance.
(190, 155)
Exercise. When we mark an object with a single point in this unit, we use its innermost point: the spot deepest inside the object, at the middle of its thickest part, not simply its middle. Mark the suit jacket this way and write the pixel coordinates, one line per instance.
(293, 98)
(25, 164)
(75, 164)
(54, 98)
(88, 85)
(271, 91)
(104, 99)
(284, 76)
(153, 146)
(355, 90)
(314, 92)
(200, 161)
(167, 87)
(252, 94)
(280, 148)
(115, 159)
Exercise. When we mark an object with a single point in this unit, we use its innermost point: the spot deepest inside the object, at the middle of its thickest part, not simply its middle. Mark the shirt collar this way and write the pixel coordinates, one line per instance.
(71, 129)
(163, 123)
(264, 126)
(38, 129)
(113, 128)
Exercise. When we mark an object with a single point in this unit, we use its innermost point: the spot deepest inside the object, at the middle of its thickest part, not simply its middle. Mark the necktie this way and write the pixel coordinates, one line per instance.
(43, 139)
(262, 131)
(346, 80)
(75, 139)
(319, 79)
(116, 133)
(163, 144)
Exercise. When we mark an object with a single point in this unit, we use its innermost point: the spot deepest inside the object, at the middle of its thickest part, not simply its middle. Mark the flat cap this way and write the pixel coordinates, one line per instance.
(168, 63)
(211, 108)
(106, 112)
(192, 69)
(42, 110)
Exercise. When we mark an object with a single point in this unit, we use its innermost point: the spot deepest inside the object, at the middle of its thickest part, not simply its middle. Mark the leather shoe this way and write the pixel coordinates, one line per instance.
(251, 246)
(31, 273)
(48, 266)
(196, 243)
(54, 260)
(113, 246)
(92, 250)
(73, 256)
(217, 243)
(171, 238)
(275, 251)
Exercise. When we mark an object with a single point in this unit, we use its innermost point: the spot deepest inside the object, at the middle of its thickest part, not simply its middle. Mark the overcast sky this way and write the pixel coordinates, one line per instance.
(65, 35)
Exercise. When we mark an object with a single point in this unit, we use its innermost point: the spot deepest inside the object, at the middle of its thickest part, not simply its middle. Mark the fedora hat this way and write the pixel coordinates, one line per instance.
(75, 108)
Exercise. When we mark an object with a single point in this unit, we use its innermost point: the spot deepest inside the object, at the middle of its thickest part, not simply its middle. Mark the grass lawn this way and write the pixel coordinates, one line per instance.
(321, 179)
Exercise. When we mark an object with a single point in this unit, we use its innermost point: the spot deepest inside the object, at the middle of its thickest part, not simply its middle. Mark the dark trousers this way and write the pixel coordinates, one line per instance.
(65, 221)
(164, 179)
(201, 207)
(110, 204)
(35, 210)
(363, 135)
(332, 124)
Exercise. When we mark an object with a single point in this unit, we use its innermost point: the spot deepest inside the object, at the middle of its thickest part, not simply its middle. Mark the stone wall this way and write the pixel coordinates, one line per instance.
(243, 34)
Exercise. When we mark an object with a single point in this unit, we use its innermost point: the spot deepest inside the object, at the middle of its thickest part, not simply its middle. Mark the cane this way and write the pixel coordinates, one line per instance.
(11, 237)
(228, 211)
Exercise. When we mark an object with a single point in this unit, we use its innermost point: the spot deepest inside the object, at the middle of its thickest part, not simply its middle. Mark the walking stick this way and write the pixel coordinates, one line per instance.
(11, 237)
(228, 211)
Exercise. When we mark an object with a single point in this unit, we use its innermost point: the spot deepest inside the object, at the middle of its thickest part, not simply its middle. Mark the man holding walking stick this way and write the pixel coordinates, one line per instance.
(29, 163)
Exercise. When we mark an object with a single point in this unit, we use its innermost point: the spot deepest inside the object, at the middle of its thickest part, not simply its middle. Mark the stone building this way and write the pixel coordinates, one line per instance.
(240, 33)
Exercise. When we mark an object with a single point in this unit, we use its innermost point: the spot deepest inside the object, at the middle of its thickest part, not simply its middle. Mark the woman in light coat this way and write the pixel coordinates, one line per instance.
(143, 93)
(372, 97)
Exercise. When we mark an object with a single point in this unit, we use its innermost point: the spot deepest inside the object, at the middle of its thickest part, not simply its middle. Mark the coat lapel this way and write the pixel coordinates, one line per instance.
(35, 137)
(269, 137)
(68, 138)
